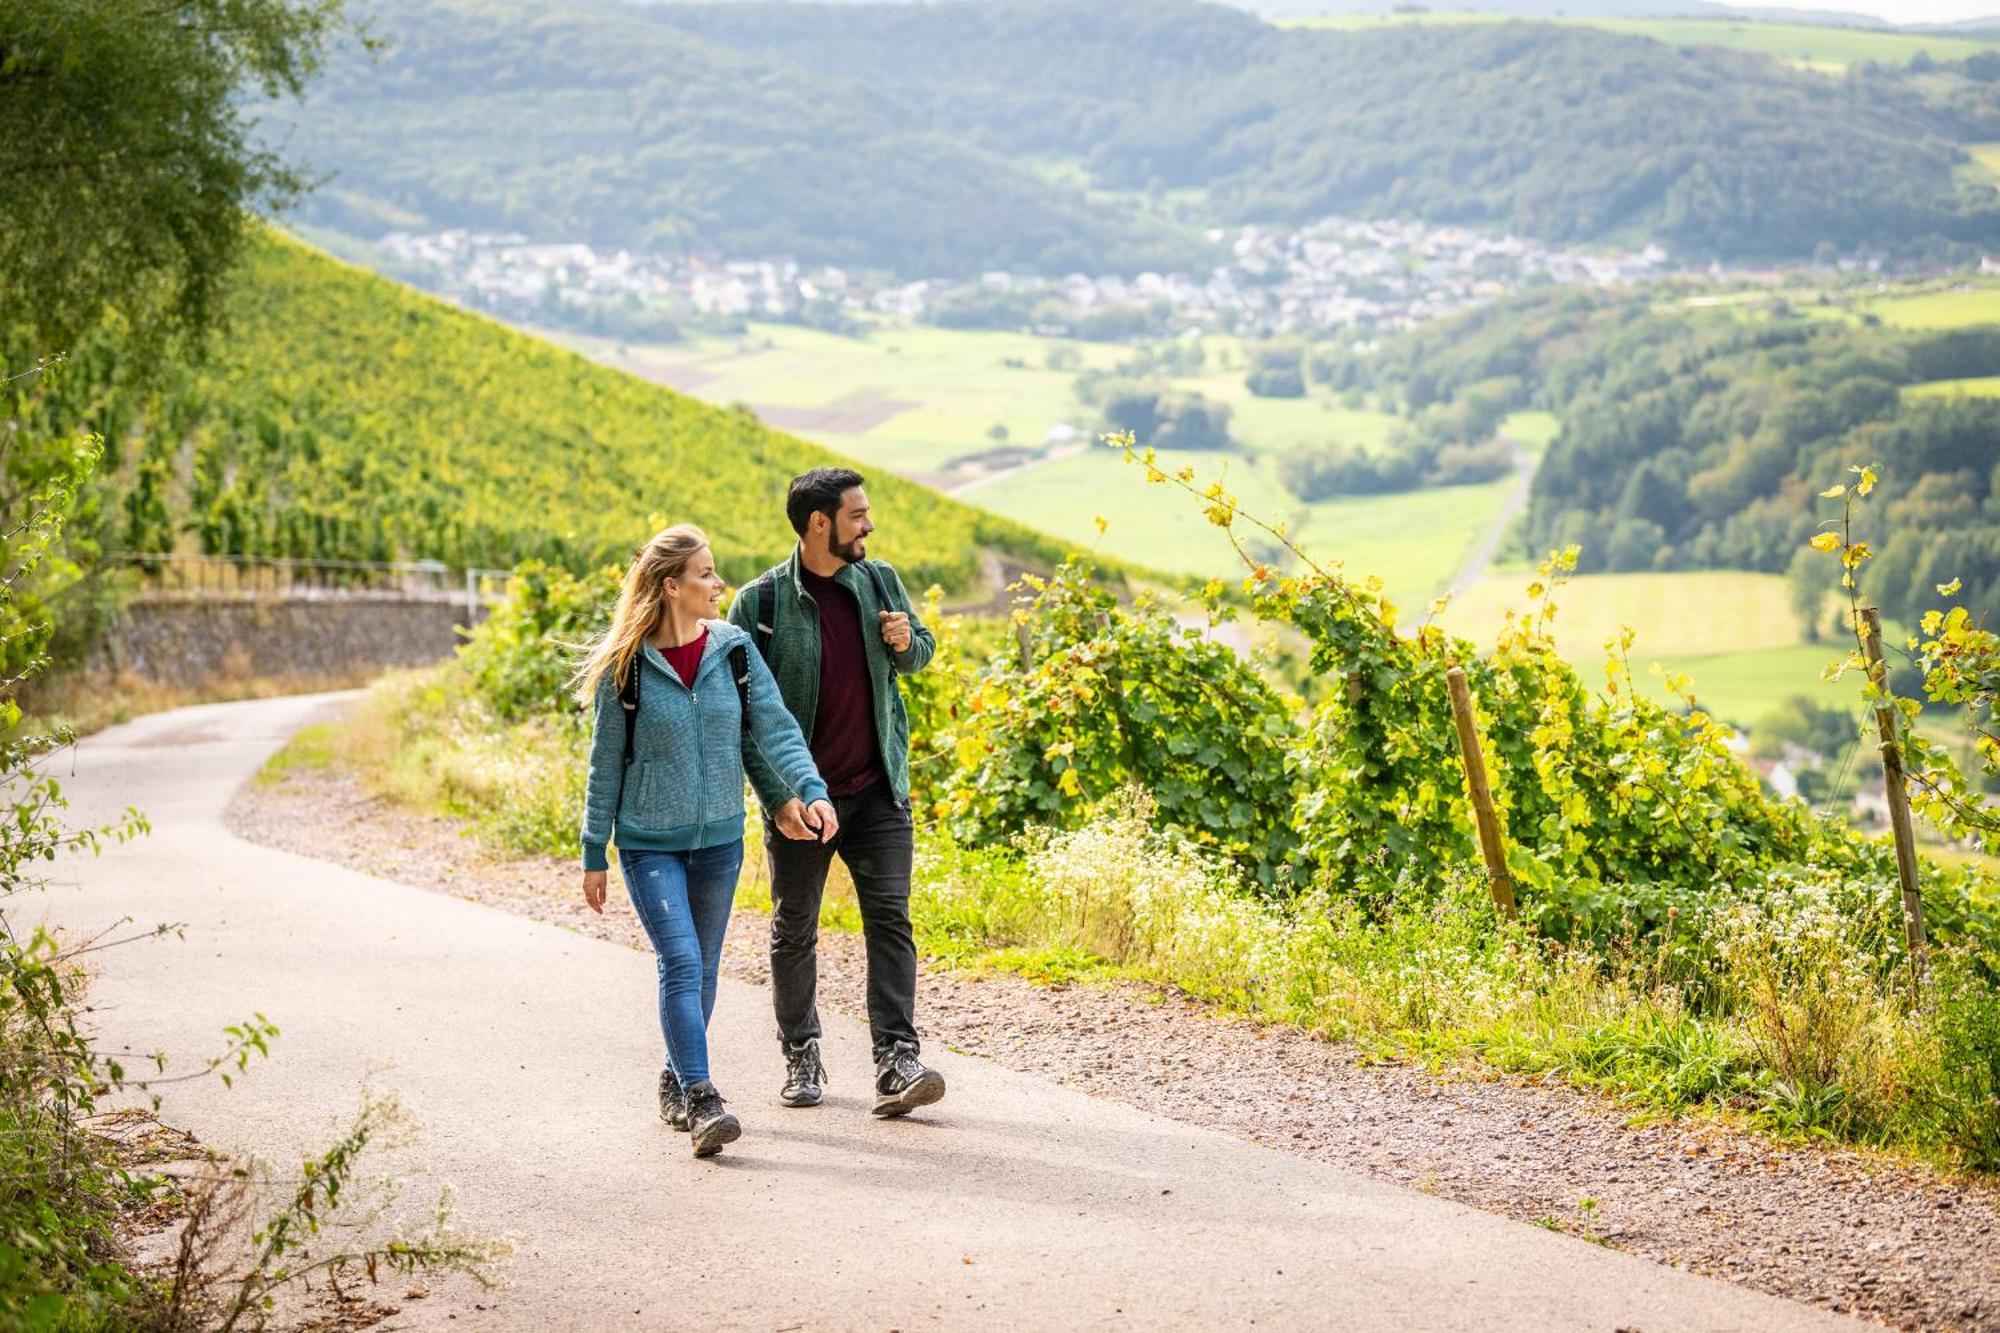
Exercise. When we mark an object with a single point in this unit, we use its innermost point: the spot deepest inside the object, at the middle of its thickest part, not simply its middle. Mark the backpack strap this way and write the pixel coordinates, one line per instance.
(766, 615)
(628, 699)
(739, 667)
(881, 600)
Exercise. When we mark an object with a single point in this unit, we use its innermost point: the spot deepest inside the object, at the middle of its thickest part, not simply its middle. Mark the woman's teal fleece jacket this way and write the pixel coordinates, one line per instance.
(685, 787)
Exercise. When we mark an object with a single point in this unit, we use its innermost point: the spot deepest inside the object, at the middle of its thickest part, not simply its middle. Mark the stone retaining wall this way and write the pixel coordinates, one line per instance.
(193, 645)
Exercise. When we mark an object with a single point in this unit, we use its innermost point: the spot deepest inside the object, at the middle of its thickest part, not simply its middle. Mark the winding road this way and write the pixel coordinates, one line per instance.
(527, 1053)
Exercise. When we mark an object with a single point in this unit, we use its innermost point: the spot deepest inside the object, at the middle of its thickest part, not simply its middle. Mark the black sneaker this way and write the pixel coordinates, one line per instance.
(804, 1074)
(903, 1083)
(709, 1126)
(673, 1101)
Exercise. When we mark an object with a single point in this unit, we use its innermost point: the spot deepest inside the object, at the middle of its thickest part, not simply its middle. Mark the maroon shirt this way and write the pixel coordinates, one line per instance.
(686, 659)
(844, 746)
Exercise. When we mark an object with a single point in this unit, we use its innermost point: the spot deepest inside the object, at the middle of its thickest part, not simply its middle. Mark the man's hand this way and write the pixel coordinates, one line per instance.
(593, 890)
(822, 817)
(791, 821)
(895, 629)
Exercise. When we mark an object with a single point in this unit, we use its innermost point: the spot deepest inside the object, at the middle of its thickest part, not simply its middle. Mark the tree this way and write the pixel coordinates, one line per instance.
(128, 157)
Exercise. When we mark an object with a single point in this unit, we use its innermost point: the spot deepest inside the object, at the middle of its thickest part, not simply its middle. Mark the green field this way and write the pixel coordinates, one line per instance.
(916, 399)
(1413, 541)
(1808, 46)
(1956, 308)
(1692, 613)
(1533, 431)
(1985, 386)
(909, 399)
(1733, 632)
(1741, 687)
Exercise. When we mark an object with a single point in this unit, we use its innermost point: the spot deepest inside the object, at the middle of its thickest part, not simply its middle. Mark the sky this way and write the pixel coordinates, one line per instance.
(1896, 11)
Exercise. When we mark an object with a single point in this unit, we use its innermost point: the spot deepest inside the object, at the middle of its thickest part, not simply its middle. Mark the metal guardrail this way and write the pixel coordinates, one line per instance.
(176, 576)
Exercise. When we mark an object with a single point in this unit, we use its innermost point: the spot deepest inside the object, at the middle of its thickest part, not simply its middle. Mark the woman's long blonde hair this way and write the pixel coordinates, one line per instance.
(642, 604)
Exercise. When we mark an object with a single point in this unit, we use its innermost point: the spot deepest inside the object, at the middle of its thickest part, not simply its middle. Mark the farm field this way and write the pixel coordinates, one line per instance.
(1828, 49)
(1696, 612)
(1985, 386)
(1733, 632)
(1412, 541)
(915, 399)
(1955, 308)
(1741, 687)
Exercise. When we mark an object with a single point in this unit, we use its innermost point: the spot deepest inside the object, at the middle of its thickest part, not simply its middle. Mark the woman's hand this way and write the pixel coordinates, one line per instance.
(820, 816)
(593, 890)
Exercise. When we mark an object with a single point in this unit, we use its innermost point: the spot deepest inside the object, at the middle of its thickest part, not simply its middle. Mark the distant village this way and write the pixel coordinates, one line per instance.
(1336, 274)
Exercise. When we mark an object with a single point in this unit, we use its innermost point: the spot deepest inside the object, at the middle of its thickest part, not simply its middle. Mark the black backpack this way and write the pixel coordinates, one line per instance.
(628, 692)
(766, 619)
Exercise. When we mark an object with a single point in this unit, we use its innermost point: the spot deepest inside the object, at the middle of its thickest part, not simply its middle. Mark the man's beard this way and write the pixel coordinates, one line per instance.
(847, 551)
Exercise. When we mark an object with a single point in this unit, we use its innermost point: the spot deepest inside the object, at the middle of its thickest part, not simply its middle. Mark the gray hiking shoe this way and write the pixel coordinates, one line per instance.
(805, 1076)
(903, 1082)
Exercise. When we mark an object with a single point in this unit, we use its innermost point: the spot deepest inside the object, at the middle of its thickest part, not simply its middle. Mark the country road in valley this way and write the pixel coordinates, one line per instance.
(527, 1053)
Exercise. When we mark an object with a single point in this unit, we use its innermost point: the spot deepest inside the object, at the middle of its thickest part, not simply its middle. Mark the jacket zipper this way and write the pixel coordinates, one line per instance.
(700, 767)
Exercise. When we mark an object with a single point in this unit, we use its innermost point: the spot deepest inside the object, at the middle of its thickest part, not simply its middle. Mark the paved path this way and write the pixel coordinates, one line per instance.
(1473, 567)
(528, 1053)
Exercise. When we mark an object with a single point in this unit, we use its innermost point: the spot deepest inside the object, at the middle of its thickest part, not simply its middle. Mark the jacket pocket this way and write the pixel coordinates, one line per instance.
(659, 797)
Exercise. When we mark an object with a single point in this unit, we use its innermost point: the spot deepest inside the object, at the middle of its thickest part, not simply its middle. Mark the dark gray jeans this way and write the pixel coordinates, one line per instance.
(875, 843)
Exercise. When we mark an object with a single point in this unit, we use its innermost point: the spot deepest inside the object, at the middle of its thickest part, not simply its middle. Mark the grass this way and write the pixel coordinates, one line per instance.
(1956, 308)
(1413, 541)
(1697, 613)
(1808, 46)
(938, 392)
(1532, 430)
(1733, 633)
(1741, 687)
(952, 385)
(1985, 386)
(312, 749)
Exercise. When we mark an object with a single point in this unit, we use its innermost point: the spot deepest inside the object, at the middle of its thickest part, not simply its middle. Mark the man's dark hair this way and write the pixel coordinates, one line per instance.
(819, 492)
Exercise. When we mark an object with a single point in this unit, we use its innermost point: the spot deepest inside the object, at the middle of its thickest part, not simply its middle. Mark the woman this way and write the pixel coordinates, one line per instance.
(678, 694)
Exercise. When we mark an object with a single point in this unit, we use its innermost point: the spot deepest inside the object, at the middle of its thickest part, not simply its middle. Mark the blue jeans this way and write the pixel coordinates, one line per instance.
(683, 900)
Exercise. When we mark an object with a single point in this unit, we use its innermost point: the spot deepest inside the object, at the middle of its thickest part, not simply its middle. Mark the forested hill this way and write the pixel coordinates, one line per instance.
(339, 415)
(1697, 437)
(586, 120)
(950, 138)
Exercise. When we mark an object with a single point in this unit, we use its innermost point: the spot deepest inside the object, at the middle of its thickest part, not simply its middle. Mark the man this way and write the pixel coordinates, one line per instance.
(836, 629)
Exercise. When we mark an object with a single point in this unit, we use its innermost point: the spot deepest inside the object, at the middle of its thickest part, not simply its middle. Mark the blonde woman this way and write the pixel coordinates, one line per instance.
(677, 698)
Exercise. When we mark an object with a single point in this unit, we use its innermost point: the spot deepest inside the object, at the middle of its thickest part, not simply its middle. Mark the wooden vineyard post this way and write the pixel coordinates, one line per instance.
(1497, 879)
(1898, 793)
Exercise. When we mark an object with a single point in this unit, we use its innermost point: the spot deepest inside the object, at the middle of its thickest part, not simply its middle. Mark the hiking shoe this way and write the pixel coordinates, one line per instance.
(673, 1101)
(709, 1126)
(804, 1074)
(903, 1082)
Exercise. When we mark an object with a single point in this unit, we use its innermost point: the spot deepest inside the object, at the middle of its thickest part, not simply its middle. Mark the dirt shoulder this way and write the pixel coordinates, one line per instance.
(1888, 1241)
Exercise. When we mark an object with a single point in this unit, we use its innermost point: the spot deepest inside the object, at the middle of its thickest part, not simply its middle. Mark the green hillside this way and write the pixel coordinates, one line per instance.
(594, 121)
(945, 139)
(1699, 437)
(342, 416)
